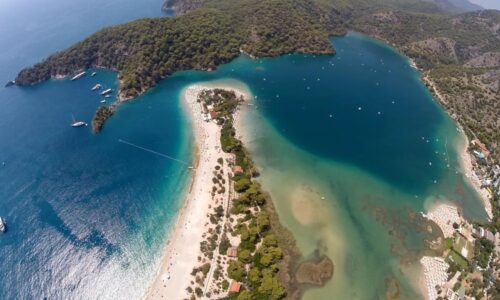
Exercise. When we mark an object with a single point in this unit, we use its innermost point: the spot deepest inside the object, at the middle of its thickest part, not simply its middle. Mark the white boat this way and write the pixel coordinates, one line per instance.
(93, 74)
(3, 225)
(413, 65)
(107, 96)
(96, 87)
(78, 76)
(105, 92)
(77, 123)
(103, 101)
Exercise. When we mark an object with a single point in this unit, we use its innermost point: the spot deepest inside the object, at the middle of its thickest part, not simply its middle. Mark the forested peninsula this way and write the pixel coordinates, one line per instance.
(147, 50)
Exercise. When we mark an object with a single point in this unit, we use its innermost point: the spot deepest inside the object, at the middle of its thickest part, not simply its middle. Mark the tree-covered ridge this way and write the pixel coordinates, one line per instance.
(145, 51)
(182, 6)
(471, 33)
(274, 27)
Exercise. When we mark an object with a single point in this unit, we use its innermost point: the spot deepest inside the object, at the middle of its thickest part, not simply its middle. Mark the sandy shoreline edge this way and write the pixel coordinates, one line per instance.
(444, 214)
(465, 158)
(468, 169)
(181, 251)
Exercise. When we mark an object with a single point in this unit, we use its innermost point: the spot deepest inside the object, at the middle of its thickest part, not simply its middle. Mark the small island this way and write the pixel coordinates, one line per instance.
(102, 114)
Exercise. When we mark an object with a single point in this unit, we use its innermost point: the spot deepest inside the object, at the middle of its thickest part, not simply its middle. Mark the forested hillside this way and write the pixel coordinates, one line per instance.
(145, 51)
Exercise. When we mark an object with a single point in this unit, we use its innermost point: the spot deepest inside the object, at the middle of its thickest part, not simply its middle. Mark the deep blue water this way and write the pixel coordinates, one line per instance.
(364, 107)
(86, 212)
(366, 90)
(88, 215)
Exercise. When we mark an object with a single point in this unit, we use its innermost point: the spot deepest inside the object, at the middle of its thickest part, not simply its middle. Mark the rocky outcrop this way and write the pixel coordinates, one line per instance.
(387, 17)
(445, 49)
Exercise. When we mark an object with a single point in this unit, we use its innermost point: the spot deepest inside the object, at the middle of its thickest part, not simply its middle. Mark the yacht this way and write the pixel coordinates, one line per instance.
(105, 92)
(103, 101)
(107, 96)
(93, 74)
(3, 225)
(78, 76)
(96, 87)
(78, 123)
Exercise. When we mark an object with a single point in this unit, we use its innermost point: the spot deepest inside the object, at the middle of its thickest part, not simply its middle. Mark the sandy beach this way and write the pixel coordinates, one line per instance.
(434, 269)
(182, 250)
(468, 169)
(444, 215)
(434, 273)
(465, 156)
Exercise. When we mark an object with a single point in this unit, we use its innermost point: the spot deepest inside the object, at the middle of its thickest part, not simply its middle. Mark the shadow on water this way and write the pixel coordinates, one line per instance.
(93, 239)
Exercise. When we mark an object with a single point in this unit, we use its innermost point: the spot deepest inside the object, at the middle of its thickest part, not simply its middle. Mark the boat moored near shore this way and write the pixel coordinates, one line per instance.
(108, 91)
(78, 76)
(96, 87)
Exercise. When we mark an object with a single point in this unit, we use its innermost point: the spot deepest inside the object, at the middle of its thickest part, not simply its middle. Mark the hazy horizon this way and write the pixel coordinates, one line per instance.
(490, 4)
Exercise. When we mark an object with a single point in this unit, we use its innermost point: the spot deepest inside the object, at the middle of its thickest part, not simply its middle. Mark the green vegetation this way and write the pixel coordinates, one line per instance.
(242, 184)
(483, 250)
(259, 251)
(224, 245)
(471, 100)
(236, 270)
(147, 50)
(448, 243)
(494, 225)
(455, 258)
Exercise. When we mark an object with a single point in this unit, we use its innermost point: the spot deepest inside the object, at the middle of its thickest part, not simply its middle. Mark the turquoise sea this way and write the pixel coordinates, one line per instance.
(350, 146)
